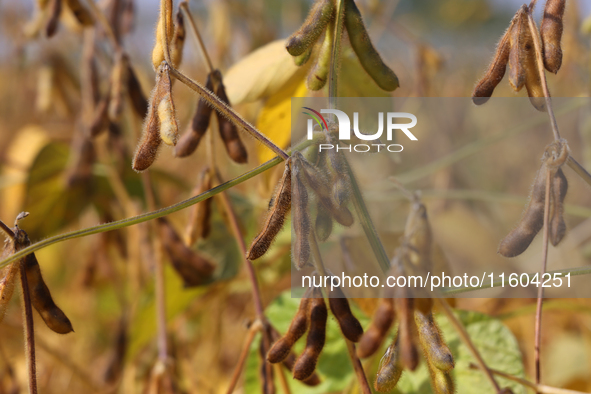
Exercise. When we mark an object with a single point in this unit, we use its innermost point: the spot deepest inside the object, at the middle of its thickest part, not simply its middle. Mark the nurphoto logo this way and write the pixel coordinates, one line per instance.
(344, 123)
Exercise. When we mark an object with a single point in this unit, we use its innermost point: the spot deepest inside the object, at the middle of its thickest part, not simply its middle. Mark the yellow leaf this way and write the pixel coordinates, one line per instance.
(262, 73)
(274, 120)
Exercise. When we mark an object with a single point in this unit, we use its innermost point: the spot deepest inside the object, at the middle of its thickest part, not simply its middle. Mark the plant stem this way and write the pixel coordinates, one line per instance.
(538, 322)
(193, 27)
(540, 388)
(104, 22)
(359, 372)
(282, 380)
(228, 112)
(164, 12)
(29, 329)
(6, 230)
(579, 169)
(252, 331)
(465, 337)
(335, 61)
(258, 304)
(540, 63)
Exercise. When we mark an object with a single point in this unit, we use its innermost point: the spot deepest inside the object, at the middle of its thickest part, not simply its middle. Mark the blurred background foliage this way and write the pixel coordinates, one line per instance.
(437, 48)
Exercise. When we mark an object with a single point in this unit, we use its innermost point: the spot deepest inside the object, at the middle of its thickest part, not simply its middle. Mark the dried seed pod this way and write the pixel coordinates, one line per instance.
(436, 351)
(518, 240)
(178, 40)
(418, 236)
(169, 130)
(158, 51)
(190, 140)
(302, 59)
(381, 322)
(408, 351)
(518, 37)
(80, 12)
(54, 9)
(299, 324)
(318, 314)
(100, 119)
(266, 369)
(533, 81)
(275, 218)
(136, 94)
(424, 305)
(323, 223)
(228, 131)
(441, 381)
(115, 365)
(551, 32)
(321, 13)
(117, 86)
(557, 225)
(487, 84)
(289, 362)
(194, 269)
(7, 284)
(319, 74)
(390, 369)
(199, 224)
(84, 156)
(339, 305)
(301, 220)
(41, 298)
(369, 58)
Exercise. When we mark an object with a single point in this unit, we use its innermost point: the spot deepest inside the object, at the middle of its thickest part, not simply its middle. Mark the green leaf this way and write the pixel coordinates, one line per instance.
(494, 341)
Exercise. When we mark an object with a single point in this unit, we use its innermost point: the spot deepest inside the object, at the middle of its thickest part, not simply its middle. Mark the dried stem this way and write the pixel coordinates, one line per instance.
(193, 27)
(227, 111)
(29, 329)
(164, 5)
(465, 337)
(104, 22)
(258, 304)
(252, 331)
(579, 169)
(6, 230)
(538, 323)
(540, 63)
(359, 372)
(540, 388)
(282, 379)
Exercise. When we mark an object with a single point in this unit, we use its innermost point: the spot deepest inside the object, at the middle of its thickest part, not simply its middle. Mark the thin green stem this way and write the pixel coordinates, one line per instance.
(335, 60)
(228, 112)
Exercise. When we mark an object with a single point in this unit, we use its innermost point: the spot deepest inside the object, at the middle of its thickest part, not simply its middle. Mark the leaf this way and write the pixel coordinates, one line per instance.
(262, 73)
(494, 341)
(334, 366)
(274, 119)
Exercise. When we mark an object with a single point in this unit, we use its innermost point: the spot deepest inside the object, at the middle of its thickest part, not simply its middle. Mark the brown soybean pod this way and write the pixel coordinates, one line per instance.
(339, 306)
(321, 13)
(190, 140)
(390, 369)
(199, 224)
(557, 225)
(517, 37)
(518, 240)
(80, 12)
(381, 322)
(419, 236)
(493, 76)
(41, 298)
(178, 40)
(150, 142)
(369, 58)
(275, 218)
(408, 350)
(323, 223)
(55, 9)
(136, 94)
(301, 220)
(434, 347)
(228, 131)
(551, 33)
(533, 81)
(318, 314)
(289, 362)
(7, 287)
(299, 324)
(191, 267)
